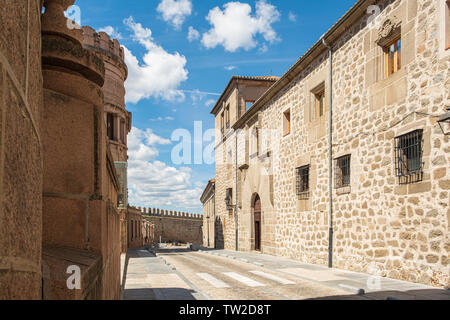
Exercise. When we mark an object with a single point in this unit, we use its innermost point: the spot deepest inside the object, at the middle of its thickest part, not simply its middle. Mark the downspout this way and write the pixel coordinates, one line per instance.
(236, 224)
(330, 156)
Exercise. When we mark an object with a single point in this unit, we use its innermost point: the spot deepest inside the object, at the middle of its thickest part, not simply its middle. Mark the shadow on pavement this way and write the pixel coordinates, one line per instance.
(428, 294)
(159, 294)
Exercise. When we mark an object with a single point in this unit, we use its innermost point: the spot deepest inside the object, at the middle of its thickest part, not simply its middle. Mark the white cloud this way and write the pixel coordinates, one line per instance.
(142, 144)
(175, 12)
(292, 16)
(235, 27)
(193, 34)
(159, 75)
(229, 68)
(210, 102)
(154, 183)
(170, 118)
(113, 33)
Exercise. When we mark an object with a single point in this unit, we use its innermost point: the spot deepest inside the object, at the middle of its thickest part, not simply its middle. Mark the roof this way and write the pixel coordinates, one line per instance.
(245, 78)
(359, 8)
(207, 190)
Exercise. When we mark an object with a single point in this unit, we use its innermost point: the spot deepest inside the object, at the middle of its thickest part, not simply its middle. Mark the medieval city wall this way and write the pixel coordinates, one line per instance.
(170, 226)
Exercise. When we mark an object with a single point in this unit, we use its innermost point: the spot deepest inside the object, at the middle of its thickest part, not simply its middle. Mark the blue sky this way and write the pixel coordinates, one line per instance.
(181, 55)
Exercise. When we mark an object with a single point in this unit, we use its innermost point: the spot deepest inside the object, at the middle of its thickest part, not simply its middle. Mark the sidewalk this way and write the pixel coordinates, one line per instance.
(361, 284)
(146, 277)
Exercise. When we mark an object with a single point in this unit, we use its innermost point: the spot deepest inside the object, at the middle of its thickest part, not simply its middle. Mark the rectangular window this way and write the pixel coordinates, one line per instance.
(393, 57)
(227, 116)
(131, 230)
(342, 172)
(286, 122)
(222, 123)
(122, 131)
(302, 182)
(408, 157)
(320, 103)
(110, 126)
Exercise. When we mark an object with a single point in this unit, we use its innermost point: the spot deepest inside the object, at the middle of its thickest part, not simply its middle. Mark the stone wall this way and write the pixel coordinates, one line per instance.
(169, 226)
(20, 150)
(59, 187)
(380, 226)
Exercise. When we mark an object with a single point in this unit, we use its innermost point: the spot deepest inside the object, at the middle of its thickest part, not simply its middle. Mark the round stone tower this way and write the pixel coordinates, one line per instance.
(117, 118)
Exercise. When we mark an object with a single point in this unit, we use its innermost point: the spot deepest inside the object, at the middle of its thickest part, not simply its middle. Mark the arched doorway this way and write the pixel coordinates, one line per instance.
(257, 222)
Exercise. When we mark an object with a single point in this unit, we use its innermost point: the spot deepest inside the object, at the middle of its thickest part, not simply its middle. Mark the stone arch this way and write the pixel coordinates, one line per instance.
(256, 223)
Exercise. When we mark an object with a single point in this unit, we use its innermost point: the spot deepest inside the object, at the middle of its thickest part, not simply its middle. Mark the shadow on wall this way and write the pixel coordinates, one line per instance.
(219, 237)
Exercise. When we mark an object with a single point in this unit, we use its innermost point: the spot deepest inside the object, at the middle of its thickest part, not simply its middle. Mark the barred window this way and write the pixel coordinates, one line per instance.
(342, 172)
(408, 157)
(302, 181)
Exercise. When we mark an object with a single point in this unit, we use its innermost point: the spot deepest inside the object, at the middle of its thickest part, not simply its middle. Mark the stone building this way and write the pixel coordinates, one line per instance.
(348, 146)
(59, 188)
(116, 117)
(209, 216)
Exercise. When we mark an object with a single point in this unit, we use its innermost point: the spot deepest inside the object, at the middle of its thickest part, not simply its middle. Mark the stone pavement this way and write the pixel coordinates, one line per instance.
(146, 277)
(360, 285)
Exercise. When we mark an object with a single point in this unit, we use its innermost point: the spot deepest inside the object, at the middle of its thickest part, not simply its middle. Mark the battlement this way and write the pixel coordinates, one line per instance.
(101, 42)
(153, 212)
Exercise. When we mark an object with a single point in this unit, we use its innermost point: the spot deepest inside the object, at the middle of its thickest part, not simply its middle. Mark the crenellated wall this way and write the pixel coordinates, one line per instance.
(169, 226)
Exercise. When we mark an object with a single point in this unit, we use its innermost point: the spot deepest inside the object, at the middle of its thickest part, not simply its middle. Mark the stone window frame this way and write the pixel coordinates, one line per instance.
(111, 125)
(444, 41)
(338, 179)
(286, 124)
(315, 92)
(425, 184)
(305, 204)
(447, 25)
(303, 193)
(397, 60)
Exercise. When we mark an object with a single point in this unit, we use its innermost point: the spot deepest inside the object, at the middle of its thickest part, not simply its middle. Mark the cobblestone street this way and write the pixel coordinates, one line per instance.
(181, 274)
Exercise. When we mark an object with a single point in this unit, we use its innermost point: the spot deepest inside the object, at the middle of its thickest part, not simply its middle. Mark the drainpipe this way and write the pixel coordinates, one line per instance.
(237, 195)
(330, 155)
(236, 223)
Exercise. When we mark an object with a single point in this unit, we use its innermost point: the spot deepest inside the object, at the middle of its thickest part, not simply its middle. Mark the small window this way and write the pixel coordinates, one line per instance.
(320, 103)
(393, 57)
(408, 157)
(122, 131)
(286, 123)
(342, 171)
(302, 182)
(110, 126)
(227, 116)
(222, 122)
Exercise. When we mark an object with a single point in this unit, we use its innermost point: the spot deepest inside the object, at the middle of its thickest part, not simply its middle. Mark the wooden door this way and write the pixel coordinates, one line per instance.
(257, 218)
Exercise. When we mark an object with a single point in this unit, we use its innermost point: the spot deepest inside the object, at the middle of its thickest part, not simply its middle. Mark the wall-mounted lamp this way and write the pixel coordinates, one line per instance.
(445, 119)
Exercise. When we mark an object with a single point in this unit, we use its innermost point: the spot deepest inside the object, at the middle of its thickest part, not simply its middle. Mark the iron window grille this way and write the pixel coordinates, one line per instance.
(302, 182)
(408, 157)
(342, 172)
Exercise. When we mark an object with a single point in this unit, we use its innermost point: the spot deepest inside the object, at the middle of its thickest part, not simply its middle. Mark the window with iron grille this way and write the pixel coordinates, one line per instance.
(342, 172)
(302, 182)
(408, 157)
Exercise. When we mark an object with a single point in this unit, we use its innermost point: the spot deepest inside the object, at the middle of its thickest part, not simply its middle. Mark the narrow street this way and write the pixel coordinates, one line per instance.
(181, 274)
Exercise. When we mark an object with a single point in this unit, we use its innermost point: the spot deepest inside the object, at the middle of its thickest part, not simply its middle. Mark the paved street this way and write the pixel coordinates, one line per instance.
(181, 274)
